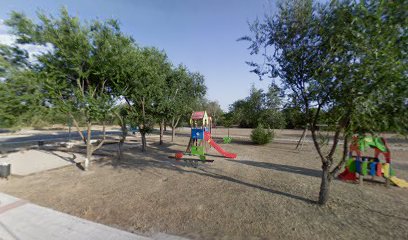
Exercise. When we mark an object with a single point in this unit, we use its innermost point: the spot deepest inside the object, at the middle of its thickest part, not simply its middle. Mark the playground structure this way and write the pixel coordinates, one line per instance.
(201, 140)
(362, 165)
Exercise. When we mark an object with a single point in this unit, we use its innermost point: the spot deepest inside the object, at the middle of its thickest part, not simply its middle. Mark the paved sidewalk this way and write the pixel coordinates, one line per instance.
(23, 220)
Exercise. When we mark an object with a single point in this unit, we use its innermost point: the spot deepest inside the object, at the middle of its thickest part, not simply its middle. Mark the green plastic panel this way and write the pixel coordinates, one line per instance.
(197, 150)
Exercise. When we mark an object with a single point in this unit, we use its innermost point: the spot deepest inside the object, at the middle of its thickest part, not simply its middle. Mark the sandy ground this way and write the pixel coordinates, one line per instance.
(37, 160)
(268, 192)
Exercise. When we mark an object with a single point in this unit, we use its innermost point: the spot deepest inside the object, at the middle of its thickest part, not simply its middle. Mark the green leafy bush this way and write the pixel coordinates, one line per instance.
(261, 136)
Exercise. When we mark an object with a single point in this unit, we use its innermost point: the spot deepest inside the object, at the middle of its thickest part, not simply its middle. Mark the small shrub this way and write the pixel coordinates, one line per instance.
(261, 136)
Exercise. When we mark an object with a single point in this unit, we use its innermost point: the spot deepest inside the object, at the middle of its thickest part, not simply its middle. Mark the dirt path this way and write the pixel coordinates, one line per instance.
(267, 192)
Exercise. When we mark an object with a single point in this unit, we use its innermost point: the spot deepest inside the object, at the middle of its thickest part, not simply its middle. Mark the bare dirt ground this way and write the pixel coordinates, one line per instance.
(268, 192)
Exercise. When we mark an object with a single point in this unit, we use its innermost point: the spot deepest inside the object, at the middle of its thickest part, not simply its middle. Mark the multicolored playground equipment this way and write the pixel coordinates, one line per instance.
(367, 165)
(201, 140)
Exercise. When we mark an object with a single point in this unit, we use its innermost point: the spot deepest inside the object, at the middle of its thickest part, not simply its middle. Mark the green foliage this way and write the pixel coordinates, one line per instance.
(88, 69)
(261, 136)
(345, 58)
(272, 118)
(21, 96)
(213, 109)
(78, 71)
(22, 100)
(227, 140)
(12, 58)
(370, 48)
(344, 62)
(258, 107)
(294, 118)
(227, 120)
(147, 70)
(186, 88)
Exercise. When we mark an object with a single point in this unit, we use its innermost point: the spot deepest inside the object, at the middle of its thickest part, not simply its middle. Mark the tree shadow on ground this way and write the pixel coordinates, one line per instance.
(65, 158)
(234, 180)
(166, 145)
(281, 167)
(68, 159)
(283, 146)
(53, 137)
(158, 159)
(289, 146)
(215, 155)
(358, 207)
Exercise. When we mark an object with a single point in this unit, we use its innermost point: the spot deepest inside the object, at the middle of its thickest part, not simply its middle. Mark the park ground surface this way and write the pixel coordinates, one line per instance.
(268, 192)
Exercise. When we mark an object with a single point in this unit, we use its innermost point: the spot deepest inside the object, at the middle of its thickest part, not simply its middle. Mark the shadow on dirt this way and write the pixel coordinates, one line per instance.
(158, 159)
(281, 167)
(68, 159)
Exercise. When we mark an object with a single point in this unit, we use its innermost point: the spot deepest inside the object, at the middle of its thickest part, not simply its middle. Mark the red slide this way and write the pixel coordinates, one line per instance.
(207, 137)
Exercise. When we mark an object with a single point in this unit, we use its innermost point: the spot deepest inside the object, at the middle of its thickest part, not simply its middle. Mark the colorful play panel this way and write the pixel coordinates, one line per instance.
(360, 165)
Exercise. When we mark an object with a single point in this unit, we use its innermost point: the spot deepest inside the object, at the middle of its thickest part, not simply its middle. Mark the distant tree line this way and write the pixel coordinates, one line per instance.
(266, 108)
(258, 108)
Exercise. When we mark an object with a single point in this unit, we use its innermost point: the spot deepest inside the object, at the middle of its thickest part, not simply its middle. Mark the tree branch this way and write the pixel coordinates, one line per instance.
(335, 142)
(77, 127)
(344, 157)
(99, 145)
(313, 131)
(177, 121)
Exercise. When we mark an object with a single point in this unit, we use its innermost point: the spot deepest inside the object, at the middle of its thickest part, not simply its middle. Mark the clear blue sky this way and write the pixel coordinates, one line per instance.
(201, 34)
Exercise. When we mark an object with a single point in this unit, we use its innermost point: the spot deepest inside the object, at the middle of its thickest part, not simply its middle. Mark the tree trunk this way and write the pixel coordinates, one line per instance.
(344, 156)
(78, 129)
(326, 163)
(143, 134)
(124, 134)
(103, 130)
(121, 142)
(174, 123)
(88, 147)
(190, 143)
(302, 139)
(325, 184)
(161, 131)
(173, 133)
(120, 146)
(142, 129)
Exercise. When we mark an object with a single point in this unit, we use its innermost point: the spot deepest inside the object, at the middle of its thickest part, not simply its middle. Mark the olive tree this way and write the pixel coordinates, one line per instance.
(78, 70)
(143, 89)
(188, 88)
(345, 58)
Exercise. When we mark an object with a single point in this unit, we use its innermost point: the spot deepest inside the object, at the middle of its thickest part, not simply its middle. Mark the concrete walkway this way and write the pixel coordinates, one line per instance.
(23, 220)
